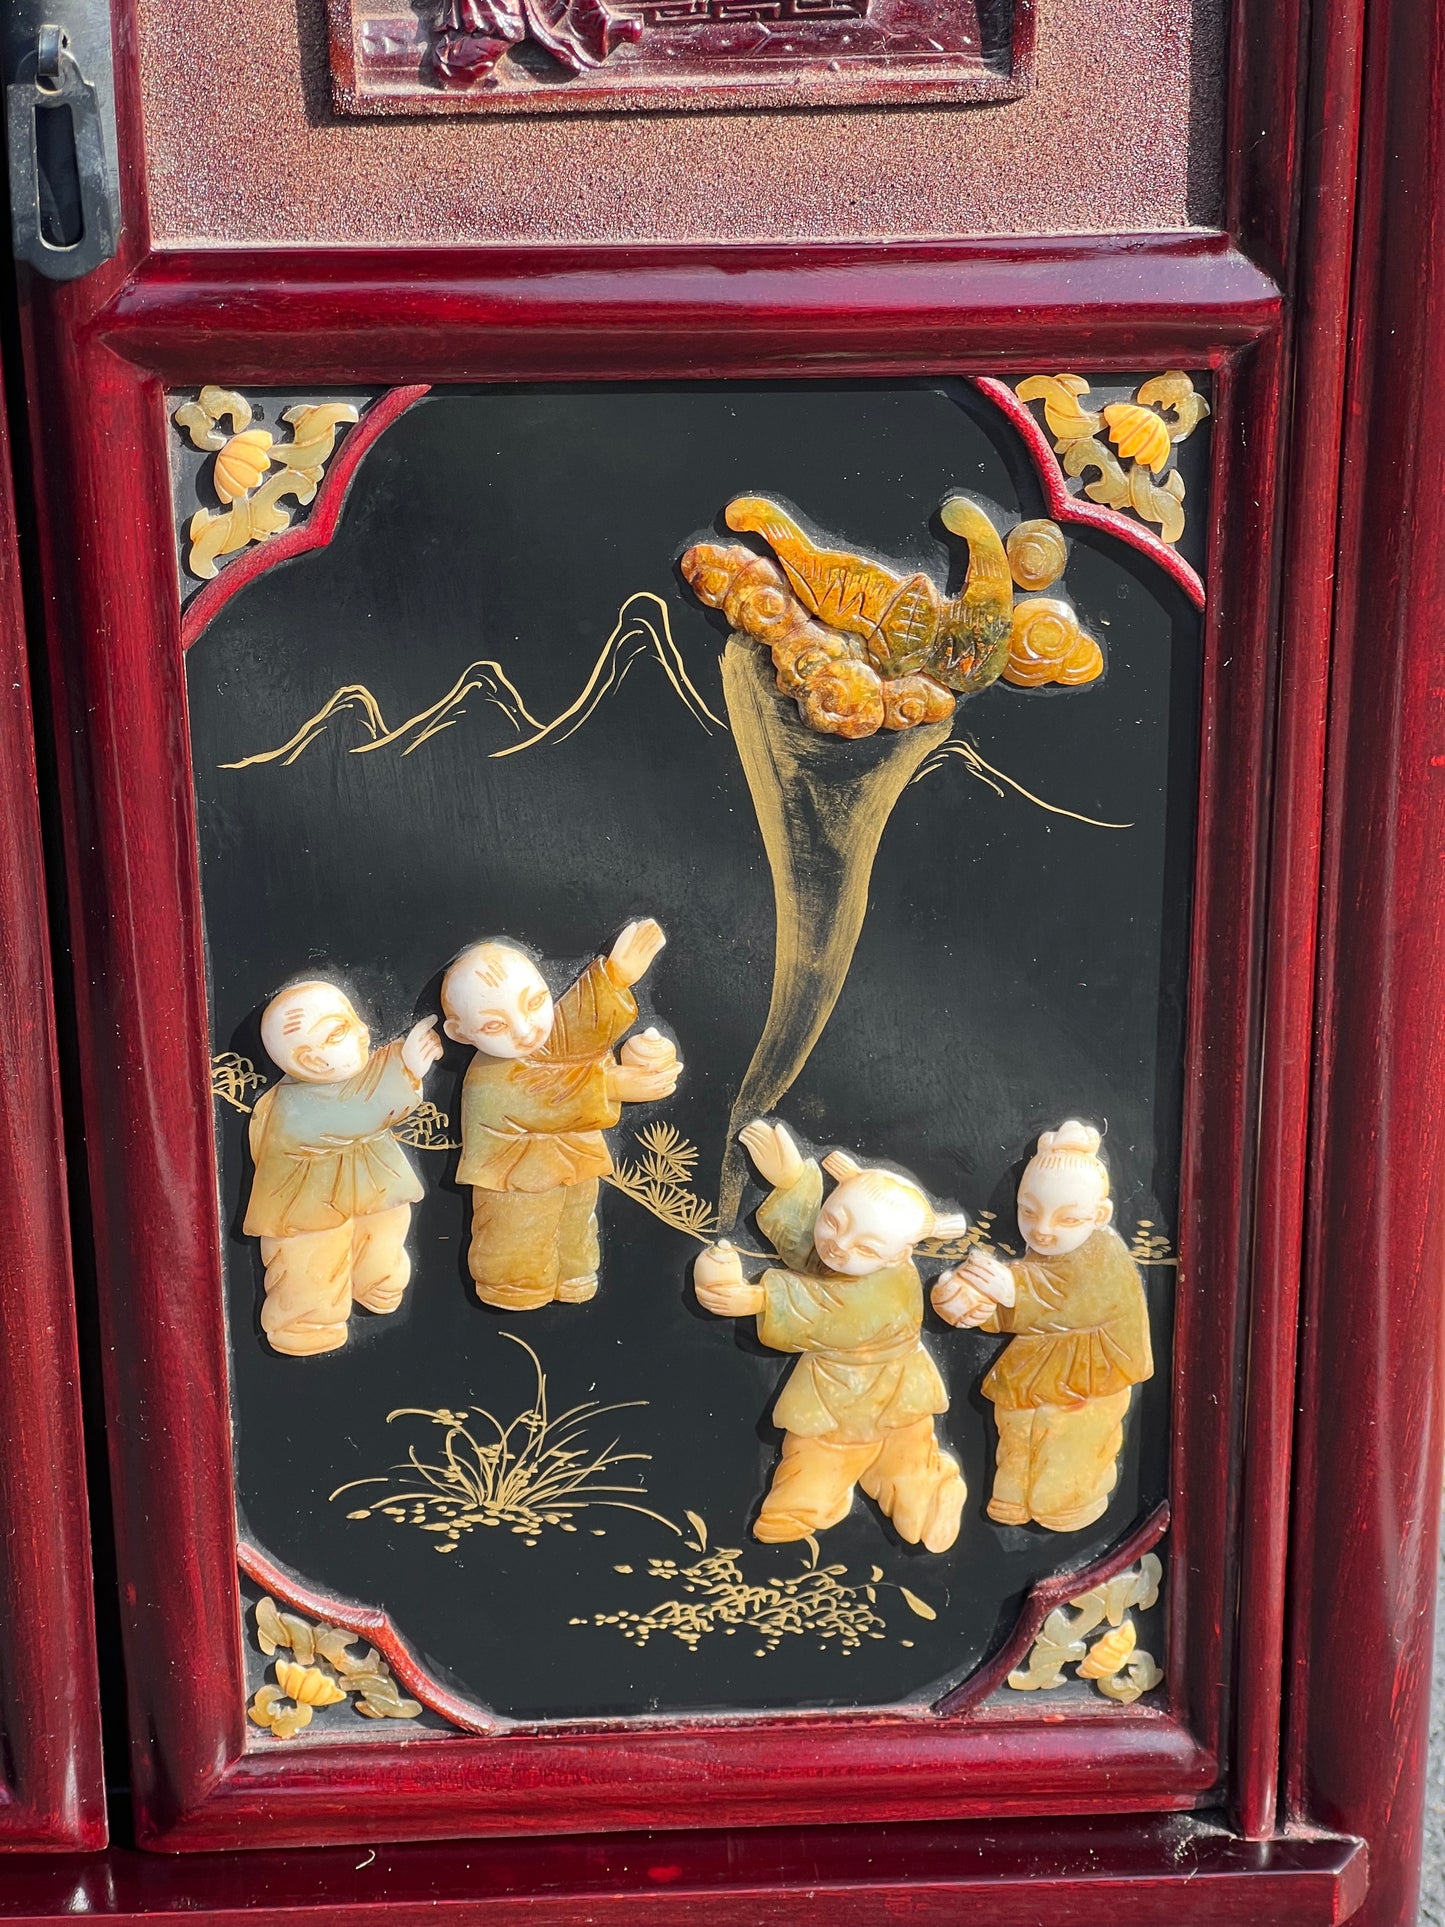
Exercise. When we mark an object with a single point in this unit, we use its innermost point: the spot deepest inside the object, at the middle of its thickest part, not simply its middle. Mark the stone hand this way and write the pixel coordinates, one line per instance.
(772, 1150)
(988, 1275)
(422, 1048)
(632, 954)
(717, 1276)
(649, 1050)
(635, 1083)
(958, 1302)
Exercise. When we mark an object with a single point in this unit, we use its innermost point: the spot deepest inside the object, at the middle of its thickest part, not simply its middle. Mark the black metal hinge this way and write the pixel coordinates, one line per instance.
(60, 117)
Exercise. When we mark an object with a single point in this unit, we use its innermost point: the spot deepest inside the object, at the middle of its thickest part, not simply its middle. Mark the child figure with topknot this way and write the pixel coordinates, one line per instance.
(1062, 1387)
(541, 1092)
(332, 1193)
(859, 1406)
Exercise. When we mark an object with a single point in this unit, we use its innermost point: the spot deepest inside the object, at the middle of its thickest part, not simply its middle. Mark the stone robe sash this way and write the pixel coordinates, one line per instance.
(532, 1123)
(324, 1153)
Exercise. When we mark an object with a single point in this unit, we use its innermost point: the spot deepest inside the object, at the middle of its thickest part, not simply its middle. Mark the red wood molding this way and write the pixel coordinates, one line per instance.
(697, 313)
(51, 1792)
(1149, 1872)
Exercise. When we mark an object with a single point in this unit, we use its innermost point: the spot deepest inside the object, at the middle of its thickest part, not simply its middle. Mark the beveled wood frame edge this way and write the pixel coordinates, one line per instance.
(52, 1792)
(1012, 1873)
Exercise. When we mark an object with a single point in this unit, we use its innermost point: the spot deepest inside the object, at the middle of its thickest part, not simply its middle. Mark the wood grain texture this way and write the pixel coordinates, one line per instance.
(629, 313)
(1368, 1463)
(1057, 160)
(1313, 142)
(51, 1793)
(1154, 1873)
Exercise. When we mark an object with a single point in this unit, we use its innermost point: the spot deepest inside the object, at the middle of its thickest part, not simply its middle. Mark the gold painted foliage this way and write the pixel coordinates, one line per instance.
(1150, 1246)
(530, 1474)
(251, 496)
(321, 1670)
(234, 1077)
(1144, 432)
(661, 1181)
(426, 1130)
(1115, 1661)
(717, 1597)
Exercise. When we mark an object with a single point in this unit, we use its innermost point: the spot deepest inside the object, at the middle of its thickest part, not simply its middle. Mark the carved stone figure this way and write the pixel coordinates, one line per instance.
(332, 1193)
(858, 647)
(1076, 1303)
(858, 1408)
(542, 1088)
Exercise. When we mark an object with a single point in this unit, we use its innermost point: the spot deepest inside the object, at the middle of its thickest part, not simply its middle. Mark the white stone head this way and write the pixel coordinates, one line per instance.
(873, 1218)
(1064, 1194)
(496, 999)
(313, 1033)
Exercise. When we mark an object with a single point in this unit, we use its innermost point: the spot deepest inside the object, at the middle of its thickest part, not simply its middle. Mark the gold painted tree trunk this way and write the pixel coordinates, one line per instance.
(822, 805)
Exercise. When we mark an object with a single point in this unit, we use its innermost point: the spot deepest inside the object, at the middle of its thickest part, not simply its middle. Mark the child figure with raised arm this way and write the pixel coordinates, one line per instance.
(1076, 1303)
(859, 1406)
(540, 1092)
(332, 1193)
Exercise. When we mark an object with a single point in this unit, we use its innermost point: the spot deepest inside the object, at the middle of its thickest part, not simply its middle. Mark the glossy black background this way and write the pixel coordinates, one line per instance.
(1016, 967)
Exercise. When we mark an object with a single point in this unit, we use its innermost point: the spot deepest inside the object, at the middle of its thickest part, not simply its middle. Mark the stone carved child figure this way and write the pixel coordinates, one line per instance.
(1061, 1389)
(859, 1406)
(542, 1088)
(332, 1193)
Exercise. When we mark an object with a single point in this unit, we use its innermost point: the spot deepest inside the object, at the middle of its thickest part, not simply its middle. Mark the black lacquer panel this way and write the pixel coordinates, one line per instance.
(1017, 966)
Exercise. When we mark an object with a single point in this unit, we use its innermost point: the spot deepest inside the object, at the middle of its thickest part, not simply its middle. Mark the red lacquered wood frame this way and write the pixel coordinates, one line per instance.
(51, 1790)
(540, 316)
(1368, 1512)
(1262, 306)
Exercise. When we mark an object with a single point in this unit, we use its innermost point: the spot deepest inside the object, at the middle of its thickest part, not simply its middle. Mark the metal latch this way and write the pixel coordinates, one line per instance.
(63, 190)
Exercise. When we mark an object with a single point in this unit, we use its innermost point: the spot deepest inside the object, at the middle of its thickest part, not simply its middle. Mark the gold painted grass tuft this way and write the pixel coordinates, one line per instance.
(530, 1475)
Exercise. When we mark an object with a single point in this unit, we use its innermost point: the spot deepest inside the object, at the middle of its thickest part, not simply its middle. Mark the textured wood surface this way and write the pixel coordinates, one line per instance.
(1154, 1873)
(1368, 1468)
(50, 1783)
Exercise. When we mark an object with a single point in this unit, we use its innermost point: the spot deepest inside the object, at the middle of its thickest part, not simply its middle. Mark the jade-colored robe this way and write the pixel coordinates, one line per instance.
(864, 1369)
(324, 1153)
(1082, 1325)
(533, 1123)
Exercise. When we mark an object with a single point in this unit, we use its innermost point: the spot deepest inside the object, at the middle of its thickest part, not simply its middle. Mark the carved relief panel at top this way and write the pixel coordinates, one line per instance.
(529, 56)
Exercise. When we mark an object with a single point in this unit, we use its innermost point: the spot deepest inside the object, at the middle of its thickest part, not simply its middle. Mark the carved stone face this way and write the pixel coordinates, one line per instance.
(863, 1228)
(502, 1006)
(1060, 1207)
(315, 1035)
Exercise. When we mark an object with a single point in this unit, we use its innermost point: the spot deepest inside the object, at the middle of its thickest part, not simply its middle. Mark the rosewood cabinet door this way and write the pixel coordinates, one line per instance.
(717, 801)
(51, 1791)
